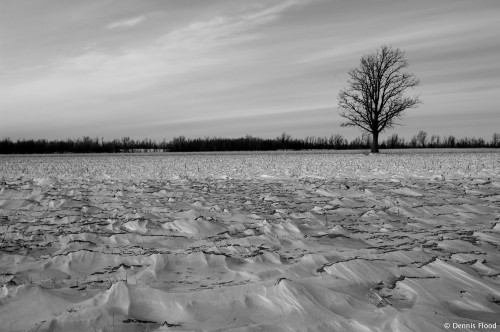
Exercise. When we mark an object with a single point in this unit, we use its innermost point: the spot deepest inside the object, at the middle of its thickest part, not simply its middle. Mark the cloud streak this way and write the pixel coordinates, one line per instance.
(190, 50)
(126, 23)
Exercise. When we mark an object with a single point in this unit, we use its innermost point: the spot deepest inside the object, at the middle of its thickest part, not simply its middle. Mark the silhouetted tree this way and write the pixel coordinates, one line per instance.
(495, 140)
(285, 140)
(414, 142)
(374, 98)
(356, 143)
(338, 141)
(422, 138)
(367, 139)
(435, 141)
(449, 142)
(393, 141)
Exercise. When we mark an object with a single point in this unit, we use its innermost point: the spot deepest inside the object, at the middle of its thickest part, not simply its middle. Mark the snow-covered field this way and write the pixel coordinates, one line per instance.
(250, 242)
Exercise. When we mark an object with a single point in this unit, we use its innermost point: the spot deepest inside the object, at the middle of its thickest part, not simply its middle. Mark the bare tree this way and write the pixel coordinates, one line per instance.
(393, 141)
(285, 140)
(367, 140)
(450, 141)
(495, 140)
(375, 98)
(433, 141)
(436, 141)
(422, 138)
(338, 141)
(414, 142)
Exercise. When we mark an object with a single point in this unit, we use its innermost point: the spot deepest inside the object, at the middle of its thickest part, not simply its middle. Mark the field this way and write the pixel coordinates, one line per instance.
(250, 242)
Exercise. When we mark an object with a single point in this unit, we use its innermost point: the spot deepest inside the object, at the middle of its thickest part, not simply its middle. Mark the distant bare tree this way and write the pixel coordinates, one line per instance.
(480, 142)
(126, 143)
(337, 141)
(178, 143)
(422, 138)
(367, 139)
(495, 140)
(450, 141)
(330, 140)
(434, 140)
(374, 98)
(393, 141)
(285, 140)
(414, 142)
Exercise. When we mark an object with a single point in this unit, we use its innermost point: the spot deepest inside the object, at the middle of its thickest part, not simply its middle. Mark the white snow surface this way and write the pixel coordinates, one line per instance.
(250, 242)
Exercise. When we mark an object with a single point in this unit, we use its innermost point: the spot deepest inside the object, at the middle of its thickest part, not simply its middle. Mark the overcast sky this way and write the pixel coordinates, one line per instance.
(227, 68)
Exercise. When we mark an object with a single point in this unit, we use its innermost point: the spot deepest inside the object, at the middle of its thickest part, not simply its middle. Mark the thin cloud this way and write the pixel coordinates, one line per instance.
(126, 23)
(228, 29)
(179, 56)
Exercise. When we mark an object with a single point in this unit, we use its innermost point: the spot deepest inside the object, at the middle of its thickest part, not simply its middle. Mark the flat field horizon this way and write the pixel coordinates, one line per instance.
(404, 240)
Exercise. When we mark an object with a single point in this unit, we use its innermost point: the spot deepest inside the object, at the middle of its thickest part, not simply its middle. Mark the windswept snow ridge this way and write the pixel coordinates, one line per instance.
(265, 242)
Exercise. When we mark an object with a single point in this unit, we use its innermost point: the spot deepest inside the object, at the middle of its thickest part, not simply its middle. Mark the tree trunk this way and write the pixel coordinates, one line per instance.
(375, 142)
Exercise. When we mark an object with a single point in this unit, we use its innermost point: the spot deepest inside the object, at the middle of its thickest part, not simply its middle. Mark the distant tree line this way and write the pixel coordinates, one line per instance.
(422, 140)
(247, 143)
(80, 145)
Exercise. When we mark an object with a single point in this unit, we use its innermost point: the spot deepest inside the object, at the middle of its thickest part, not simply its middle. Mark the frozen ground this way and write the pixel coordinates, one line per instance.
(250, 242)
